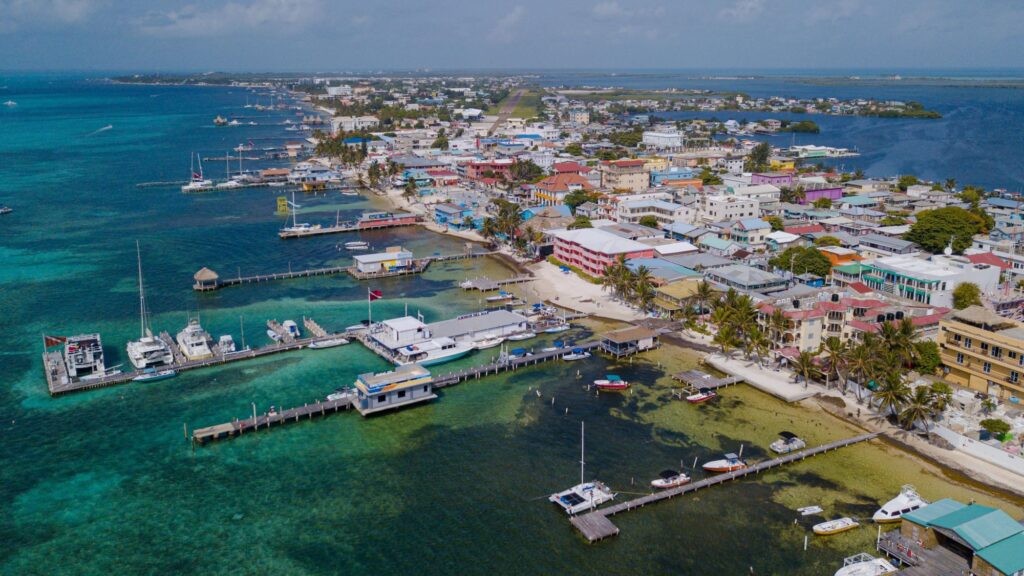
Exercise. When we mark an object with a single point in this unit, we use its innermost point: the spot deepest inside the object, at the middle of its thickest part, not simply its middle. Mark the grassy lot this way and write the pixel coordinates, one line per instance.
(527, 107)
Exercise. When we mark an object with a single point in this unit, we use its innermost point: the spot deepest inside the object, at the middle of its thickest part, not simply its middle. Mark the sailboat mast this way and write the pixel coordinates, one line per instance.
(582, 464)
(295, 212)
(142, 294)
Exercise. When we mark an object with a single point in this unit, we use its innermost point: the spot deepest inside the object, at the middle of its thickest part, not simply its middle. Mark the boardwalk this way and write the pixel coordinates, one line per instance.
(271, 419)
(487, 285)
(594, 529)
(344, 227)
(475, 372)
(696, 379)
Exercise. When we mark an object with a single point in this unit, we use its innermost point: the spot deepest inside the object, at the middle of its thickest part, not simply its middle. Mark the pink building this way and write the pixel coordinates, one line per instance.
(832, 194)
(592, 249)
(779, 179)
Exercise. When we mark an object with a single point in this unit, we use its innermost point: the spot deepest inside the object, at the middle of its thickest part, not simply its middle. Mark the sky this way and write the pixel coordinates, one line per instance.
(346, 35)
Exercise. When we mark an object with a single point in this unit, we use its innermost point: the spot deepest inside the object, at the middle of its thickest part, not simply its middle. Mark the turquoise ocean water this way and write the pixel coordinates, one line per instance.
(104, 482)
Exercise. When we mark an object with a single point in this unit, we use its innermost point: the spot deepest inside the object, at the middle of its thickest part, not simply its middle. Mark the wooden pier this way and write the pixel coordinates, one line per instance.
(475, 372)
(347, 227)
(268, 420)
(206, 280)
(484, 284)
(596, 525)
(694, 380)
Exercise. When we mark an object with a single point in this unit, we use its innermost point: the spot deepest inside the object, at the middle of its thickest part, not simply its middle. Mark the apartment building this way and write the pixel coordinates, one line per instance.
(665, 212)
(723, 207)
(983, 351)
(627, 175)
(927, 281)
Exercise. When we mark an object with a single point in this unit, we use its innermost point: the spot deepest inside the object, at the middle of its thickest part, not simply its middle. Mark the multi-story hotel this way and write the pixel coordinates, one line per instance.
(983, 351)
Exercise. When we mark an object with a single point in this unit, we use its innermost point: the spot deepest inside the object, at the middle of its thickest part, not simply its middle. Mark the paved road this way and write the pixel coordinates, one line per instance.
(506, 110)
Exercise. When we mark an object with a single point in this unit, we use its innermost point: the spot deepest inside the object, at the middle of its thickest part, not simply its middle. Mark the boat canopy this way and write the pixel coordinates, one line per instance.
(705, 390)
(612, 378)
(666, 474)
(731, 456)
(577, 350)
(787, 435)
(518, 351)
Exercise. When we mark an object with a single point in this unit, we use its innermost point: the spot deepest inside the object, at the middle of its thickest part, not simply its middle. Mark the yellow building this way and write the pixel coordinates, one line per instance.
(655, 163)
(782, 165)
(983, 351)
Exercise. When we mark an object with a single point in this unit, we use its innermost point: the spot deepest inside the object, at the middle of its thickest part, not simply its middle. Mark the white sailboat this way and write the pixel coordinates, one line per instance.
(196, 181)
(148, 351)
(585, 495)
(296, 227)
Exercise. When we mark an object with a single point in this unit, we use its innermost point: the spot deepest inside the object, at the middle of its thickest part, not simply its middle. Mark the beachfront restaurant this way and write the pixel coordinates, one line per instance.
(406, 385)
(627, 341)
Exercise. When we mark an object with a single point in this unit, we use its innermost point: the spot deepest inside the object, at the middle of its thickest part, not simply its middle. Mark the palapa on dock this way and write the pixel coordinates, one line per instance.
(596, 526)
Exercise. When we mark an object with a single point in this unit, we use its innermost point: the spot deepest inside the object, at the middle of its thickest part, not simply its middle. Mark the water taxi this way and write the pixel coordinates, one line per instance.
(865, 565)
(787, 442)
(357, 245)
(836, 526)
(907, 501)
(5, 210)
(153, 375)
(730, 463)
(611, 382)
(670, 479)
(585, 495)
(703, 395)
(329, 343)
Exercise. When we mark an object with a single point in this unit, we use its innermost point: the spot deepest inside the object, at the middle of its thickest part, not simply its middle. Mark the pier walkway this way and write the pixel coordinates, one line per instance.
(343, 227)
(487, 285)
(694, 380)
(596, 525)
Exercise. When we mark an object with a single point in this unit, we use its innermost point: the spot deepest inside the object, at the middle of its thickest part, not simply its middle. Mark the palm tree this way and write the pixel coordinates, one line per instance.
(758, 343)
(862, 362)
(804, 365)
(489, 229)
(643, 287)
(704, 295)
(721, 316)
(726, 339)
(779, 323)
(918, 407)
(835, 352)
(893, 394)
(942, 395)
(950, 184)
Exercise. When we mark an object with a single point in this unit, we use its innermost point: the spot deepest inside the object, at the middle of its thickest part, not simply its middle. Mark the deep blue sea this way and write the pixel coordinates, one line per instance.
(104, 482)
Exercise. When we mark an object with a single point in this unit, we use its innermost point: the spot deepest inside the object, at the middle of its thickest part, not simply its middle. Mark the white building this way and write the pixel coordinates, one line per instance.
(343, 90)
(722, 207)
(579, 116)
(665, 212)
(663, 140)
(352, 123)
(928, 281)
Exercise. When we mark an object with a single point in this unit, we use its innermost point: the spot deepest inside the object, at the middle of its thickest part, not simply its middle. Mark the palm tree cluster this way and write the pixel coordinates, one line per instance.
(633, 286)
(735, 315)
(505, 222)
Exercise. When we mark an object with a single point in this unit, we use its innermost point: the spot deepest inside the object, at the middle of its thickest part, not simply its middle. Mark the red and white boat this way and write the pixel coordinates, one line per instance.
(730, 463)
(702, 396)
(670, 479)
(611, 382)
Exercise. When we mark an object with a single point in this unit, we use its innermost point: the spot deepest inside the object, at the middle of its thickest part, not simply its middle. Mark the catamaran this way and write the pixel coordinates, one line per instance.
(196, 183)
(148, 351)
(907, 501)
(585, 495)
(296, 226)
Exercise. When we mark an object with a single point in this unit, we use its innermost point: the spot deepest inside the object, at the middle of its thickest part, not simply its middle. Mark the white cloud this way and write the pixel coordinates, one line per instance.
(504, 29)
(194, 21)
(743, 10)
(16, 13)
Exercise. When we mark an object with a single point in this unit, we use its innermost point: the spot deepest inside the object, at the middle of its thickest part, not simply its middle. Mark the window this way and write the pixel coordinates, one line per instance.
(959, 358)
(1014, 377)
(382, 398)
(957, 338)
(424, 388)
(967, 343)
(984, 346)
(401, 394)
(1011, 354)
(986, 367)
(997, 352)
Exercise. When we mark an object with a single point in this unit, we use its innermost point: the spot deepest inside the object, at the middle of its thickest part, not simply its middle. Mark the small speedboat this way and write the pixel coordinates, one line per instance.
(557, 329)
(730, 463)
(670, 479)
(339, 394)
(907, 501)
(522, 336)
(835, 526)
(701, 396)
(10, 103)
(6, 210)
(500, 297)
(787, 442)
(350, 193)
(273, 336)
(357, 245)
(152, 375)
(489, 341)
(329, 343)
(865, 565)
(611, 382)
(576, 354)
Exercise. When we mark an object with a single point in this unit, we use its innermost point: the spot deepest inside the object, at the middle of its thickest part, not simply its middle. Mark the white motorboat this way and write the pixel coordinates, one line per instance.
(10, 103)
(148, 351)
(292, 328)
(436, 351)
(557, 329)
(577, 354)
(730, 463)
(501, 296)
(835, 526)
(226, 344)
(340, 394)
(865, 565)
(522, 336)
(194, 342)
(357, 245)
(489, 341)
(273, 336)
(153, 375)
(787, 442)
(907, 501)
(670, 479)
(585, 495)
(329, 343)
(229, 185)
(349, 193)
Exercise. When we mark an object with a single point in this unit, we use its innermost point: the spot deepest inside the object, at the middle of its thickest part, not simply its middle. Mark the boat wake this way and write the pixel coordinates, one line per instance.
(104, 129)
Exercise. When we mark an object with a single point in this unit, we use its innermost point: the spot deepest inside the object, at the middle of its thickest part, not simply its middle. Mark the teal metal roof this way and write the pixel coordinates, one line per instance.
(716, 243)
(924, 516)
(980, 526)
(1006, 556)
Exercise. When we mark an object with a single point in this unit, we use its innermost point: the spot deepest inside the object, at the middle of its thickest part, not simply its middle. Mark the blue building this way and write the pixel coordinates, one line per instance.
(451, 215)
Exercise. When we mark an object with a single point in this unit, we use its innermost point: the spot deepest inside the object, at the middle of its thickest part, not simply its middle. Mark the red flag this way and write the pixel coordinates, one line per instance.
(375, 295)
(51, 341)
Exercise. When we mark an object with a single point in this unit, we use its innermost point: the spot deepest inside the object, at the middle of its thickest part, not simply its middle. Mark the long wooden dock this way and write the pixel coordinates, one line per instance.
(417, 220)
(484, 284)
(596, 525)
(694, 380)
(268, 420)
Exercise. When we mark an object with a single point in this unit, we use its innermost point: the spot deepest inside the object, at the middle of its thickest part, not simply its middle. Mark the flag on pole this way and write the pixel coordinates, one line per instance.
(374, 294)
(51, 341)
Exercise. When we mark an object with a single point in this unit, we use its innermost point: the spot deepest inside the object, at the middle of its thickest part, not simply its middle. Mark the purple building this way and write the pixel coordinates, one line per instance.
(832, 194)
(779, 179)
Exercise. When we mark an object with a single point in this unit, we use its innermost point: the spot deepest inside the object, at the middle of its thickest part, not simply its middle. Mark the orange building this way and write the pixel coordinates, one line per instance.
(840, 256)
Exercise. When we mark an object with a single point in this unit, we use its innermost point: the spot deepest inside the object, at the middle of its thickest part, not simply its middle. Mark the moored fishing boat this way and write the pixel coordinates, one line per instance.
(730, 463)
(670, 479)
(703, 395)
(907, 501)
(522, 336)
(329, 343)
(787, 442)
(611, 382)
(836, 526)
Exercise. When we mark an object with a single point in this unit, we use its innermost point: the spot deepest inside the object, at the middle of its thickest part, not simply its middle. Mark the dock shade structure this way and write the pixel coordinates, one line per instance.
(206, 279)
(408, 384)
(627, 341)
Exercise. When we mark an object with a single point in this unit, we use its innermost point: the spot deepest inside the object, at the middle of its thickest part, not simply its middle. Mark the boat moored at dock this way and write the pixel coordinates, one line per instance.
(905, 502)
(154, 375)
(865, 565)
(431, 352)
(730, 463)
(669, 479)
(331, 343)
(611, 382)
(194, 343)
(576, 354)
(703, 395)
(836, 526)
(585, 495)
(787, 442)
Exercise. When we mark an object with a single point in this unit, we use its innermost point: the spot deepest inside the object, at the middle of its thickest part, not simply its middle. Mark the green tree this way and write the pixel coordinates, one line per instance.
(757, 159)
(918, 407)
(805, 366)
(827, 241)
(575, 149)
(649, 221)
(775, 222)
(893, 221)
(907, 181)
(409, 192)
(800, 260)
(580, 222)
(966, 294)
(934, 229)
(710, 178)
(893, 393)
(823, 203)
(996, 427)
(928, 358)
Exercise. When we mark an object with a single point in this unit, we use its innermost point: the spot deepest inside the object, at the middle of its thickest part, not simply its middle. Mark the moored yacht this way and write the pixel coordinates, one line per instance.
(194, 342)
(865, 565)
(585, 495)
(787, 442)
(148, 351)
(488, 341)
(670, 479)
(196, 182)
(436, 351)
(907, 501)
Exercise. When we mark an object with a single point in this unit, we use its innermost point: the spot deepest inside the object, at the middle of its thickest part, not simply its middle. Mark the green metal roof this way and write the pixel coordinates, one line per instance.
(717, 243)
(855, 268)
(980, 526)
(924, 516)
(1006, 556)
